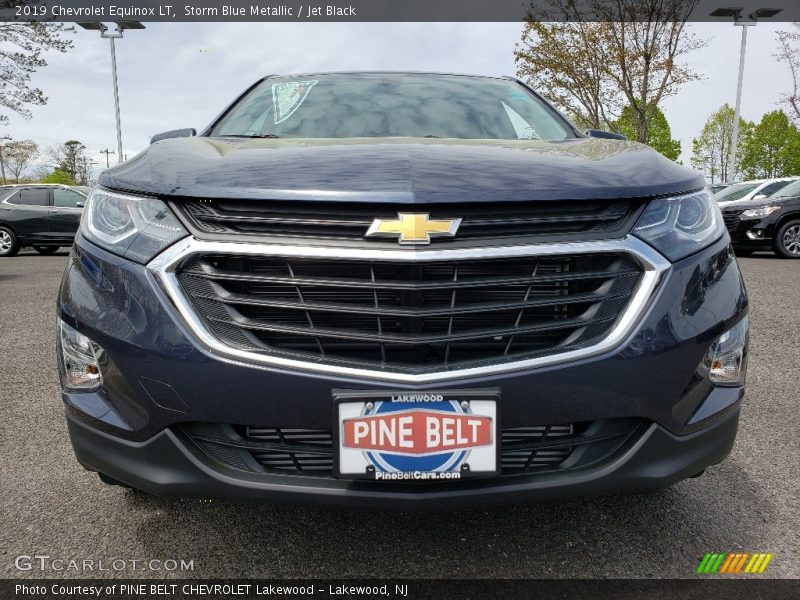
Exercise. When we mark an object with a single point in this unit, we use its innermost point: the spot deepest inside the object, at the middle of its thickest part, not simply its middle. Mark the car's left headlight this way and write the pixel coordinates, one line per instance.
(758, 213)
(681, 225)
(133, 227)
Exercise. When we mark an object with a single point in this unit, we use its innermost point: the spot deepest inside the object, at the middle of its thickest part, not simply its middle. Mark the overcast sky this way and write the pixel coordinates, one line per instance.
(183, 74)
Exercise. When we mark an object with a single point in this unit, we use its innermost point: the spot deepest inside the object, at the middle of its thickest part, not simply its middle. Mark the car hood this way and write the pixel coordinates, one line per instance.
(400, 170)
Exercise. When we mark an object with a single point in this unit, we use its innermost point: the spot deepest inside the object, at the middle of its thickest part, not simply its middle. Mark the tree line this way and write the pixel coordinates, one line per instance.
(69, 163)
(769, 148)
(609, 64)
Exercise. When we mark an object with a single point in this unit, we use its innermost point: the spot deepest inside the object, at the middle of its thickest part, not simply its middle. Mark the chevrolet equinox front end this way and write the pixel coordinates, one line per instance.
(400, 289)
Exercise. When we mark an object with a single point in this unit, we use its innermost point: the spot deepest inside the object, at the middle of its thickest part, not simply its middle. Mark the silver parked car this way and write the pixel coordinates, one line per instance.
(755, 189)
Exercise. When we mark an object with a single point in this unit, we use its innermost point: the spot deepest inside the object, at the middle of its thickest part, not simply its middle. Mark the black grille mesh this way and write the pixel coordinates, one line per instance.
(301, 450)
(309, 452)
(410, 316)
(731, 218)
(296, 455)
(342, 221)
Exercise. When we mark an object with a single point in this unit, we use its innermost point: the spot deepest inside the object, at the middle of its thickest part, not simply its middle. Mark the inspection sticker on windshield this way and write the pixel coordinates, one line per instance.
(288, 96)
(416, 436)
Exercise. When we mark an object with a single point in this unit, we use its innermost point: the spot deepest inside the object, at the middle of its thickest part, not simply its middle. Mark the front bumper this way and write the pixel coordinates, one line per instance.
(158, 377)
(166, 465)
(753, 234)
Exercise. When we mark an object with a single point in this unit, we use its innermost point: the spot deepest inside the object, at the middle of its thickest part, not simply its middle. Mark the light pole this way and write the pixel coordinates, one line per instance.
(104, 33)
(5, 138)
(752, 19)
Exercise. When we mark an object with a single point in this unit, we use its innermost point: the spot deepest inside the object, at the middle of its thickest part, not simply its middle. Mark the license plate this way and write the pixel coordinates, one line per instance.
(416, 436)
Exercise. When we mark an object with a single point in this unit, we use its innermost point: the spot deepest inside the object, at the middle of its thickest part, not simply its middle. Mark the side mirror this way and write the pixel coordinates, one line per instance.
(759, 196)
(599, 133)
(80, 204)
(175, 133)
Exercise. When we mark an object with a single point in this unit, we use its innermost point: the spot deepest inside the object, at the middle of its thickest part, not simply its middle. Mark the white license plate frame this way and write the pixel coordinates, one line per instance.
(467, 456)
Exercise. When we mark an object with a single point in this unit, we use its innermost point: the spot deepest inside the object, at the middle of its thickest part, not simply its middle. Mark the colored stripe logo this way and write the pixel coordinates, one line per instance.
(733, 562)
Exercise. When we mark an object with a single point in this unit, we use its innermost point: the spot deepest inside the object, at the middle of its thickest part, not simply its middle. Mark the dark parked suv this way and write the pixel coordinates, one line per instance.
(767, 224)
(39, 215)
(400, 289)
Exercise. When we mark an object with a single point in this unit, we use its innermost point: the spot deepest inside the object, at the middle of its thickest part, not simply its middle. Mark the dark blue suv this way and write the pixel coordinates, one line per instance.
(400, 289)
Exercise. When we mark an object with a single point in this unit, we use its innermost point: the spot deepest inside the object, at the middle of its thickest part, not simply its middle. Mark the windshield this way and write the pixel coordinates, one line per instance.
(392, 105)
(736, 192)
(793, 189)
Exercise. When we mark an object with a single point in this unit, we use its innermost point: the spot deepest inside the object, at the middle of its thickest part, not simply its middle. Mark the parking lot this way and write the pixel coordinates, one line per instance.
(51, 506)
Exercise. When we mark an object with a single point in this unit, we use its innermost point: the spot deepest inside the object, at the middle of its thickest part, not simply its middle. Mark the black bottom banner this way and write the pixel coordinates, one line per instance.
(247, 589)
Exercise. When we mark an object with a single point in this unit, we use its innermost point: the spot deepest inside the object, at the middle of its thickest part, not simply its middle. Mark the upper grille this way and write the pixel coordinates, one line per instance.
(731, 218)
(596, 218)
(406, 316)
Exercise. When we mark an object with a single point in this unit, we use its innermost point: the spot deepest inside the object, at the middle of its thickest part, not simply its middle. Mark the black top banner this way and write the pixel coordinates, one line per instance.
(399, 10)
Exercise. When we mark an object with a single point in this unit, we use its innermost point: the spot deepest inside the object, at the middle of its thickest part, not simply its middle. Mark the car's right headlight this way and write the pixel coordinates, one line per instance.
(681, 225)
(135, 227)
(758, 213)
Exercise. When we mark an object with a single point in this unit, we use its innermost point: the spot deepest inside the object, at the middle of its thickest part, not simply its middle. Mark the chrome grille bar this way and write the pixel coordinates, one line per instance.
(618, 324)
(228, 298)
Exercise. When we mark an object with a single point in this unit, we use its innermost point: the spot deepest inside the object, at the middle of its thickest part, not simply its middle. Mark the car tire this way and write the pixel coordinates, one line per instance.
(9, 242)
(46, 250)
(787, 242)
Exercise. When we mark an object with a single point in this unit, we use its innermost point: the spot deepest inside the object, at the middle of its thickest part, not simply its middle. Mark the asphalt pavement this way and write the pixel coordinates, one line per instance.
(50, 506)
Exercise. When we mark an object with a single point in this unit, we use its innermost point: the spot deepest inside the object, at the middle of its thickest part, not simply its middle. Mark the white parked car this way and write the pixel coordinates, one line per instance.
(755, 189)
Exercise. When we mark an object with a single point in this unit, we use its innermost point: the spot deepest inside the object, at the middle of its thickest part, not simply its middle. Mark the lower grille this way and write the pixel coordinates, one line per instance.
(522, 449)
(299, 450)
(732, 220)
(308, 452)
(406, 316)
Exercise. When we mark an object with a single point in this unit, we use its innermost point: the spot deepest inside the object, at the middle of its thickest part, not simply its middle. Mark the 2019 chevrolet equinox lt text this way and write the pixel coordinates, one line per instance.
(404, 290)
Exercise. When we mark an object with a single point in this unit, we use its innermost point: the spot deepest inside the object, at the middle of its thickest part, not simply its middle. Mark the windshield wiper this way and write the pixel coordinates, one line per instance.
(255, 135)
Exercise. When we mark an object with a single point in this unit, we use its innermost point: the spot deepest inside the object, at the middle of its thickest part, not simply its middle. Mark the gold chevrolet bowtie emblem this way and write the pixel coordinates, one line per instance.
(413, 228)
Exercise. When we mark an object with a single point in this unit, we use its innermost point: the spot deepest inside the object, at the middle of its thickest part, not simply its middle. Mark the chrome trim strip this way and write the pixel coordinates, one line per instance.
(166, 265)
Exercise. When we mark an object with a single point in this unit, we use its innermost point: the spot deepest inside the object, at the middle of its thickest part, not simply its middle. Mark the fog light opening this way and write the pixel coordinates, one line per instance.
(80, 360)
(727, 357)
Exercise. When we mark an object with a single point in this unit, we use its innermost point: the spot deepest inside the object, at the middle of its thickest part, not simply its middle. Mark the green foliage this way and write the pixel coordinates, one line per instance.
(659, 134)
(71, 158)
(771, 148)
(59, 176)
(711, 148)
